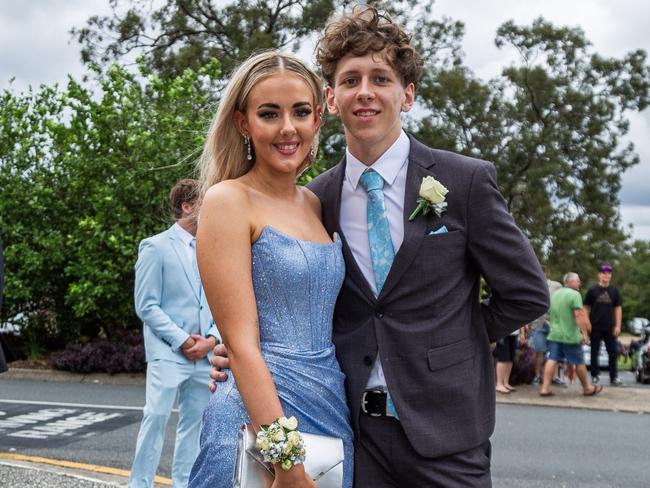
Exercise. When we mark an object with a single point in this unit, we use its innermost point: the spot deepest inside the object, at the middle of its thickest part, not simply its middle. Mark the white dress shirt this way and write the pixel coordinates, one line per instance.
(392, 166)
(186, 239)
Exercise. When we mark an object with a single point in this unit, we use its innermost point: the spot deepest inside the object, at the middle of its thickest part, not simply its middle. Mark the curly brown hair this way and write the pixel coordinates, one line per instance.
(368, 31)
(184, 191)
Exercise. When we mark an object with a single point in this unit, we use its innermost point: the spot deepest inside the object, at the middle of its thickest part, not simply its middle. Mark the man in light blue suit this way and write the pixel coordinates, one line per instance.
(178, 334)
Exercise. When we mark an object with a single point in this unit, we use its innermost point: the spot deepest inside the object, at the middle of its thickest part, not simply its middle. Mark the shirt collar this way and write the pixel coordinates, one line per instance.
(182, 234)
(388, 165)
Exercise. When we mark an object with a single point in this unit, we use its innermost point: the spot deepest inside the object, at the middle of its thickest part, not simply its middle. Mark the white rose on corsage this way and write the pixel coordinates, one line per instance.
(262, 442)
(432, 196)
(290, 423)
(294, 439)
(277, 435)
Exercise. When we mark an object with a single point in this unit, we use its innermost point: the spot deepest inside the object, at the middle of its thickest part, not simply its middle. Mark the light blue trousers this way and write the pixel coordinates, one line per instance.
(164, 380)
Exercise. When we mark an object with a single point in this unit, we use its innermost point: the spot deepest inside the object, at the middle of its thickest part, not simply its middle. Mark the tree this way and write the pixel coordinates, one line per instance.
(85, 177)
(181, 34)
(178, 34)
(188, 33)
(553, 126)
(632, 276)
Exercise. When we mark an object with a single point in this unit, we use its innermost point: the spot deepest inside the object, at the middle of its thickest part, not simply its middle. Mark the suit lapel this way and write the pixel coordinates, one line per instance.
(332, 220)
(178, 248)
(420, 164)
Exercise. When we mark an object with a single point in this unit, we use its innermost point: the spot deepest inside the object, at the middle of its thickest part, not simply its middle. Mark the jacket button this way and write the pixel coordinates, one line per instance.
(379, 315)
(367, 360)
(201, 307)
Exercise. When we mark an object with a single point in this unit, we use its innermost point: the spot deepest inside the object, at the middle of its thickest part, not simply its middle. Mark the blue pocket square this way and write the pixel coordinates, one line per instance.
(439, 230)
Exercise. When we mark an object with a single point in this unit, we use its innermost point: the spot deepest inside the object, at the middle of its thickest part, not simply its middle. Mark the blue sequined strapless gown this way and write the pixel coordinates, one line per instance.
(296, 283)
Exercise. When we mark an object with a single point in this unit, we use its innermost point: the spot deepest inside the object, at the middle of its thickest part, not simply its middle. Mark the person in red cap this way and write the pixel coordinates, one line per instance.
(603, 304)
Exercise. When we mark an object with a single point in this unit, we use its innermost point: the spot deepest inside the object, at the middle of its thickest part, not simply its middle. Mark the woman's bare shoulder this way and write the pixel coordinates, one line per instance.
(226, 202)
(227, 189)
(228, 193)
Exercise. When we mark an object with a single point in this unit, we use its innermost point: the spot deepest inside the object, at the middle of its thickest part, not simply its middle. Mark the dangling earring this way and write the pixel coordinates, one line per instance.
(247, 141)
(312, 151)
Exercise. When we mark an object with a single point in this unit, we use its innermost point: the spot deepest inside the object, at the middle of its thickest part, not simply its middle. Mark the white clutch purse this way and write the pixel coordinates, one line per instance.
(324, 461)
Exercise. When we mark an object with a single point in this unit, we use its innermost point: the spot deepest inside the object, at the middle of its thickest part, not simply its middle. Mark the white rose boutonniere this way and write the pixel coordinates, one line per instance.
(431, 197)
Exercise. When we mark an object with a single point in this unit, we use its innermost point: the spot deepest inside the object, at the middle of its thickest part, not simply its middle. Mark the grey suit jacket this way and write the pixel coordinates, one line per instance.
(428, 326)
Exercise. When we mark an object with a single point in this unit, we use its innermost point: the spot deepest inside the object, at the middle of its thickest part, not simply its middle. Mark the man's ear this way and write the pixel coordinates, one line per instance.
(318, 114)
(409, 97)
(331, 101)
(187, 208)
(240, 122)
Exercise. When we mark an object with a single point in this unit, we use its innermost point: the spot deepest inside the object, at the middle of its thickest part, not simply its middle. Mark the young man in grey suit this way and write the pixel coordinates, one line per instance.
(178, 334)
(411, 335)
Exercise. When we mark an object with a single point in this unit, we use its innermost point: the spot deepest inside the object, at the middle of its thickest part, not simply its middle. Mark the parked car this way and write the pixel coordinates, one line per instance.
(642, 364)
(640, 352)
(11, 341)
(603, 357)
(637, 324)
(10, 328)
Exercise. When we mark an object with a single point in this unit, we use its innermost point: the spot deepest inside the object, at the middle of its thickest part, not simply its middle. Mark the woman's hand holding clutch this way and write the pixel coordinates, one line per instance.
(296, 477)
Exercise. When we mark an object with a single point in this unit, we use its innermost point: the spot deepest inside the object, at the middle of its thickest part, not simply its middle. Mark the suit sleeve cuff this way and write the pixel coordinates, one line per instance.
(212, 331)
(179, 341)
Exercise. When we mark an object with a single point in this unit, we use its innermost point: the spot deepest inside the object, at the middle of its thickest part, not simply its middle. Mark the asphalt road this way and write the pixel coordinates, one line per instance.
(109, 441)
(538, 447)
(533, 447)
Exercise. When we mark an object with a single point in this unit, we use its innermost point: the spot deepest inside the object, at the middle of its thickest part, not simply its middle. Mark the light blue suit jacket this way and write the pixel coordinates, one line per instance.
(168, 298)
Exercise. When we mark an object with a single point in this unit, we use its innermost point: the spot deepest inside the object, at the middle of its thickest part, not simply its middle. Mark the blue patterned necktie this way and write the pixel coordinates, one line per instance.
(381, 244)
(195, 265)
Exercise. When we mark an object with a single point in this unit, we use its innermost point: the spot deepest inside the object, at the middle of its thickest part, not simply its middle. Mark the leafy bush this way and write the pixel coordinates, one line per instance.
(126, 356)
(85, 171)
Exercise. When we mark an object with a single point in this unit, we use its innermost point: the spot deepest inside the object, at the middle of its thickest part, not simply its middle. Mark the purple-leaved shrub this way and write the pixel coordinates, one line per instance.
(103, 356)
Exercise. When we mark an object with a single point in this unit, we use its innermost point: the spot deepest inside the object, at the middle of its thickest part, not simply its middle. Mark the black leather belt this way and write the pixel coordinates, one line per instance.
(373, 403)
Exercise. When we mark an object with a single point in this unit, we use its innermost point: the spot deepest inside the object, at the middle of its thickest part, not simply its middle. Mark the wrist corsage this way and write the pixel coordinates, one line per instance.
(280, 443)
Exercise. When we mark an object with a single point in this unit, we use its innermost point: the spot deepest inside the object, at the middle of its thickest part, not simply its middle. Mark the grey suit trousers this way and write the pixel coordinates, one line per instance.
(384, 458)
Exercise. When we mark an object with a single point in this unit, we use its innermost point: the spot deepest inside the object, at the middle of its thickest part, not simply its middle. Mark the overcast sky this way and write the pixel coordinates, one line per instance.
(37, 48)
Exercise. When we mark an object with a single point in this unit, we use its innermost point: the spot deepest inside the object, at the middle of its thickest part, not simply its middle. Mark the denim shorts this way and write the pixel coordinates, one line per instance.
(559, 351)
(538, 338)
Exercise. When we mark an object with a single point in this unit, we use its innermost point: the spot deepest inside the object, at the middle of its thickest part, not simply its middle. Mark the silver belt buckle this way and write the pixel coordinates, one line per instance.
(364, 402)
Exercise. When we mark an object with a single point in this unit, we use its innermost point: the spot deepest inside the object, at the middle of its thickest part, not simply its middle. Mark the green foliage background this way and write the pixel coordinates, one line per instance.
(85, 175)
(85, 168)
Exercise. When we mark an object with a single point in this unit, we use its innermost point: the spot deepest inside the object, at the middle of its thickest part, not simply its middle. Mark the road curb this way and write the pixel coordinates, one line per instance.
(54, 376)
(614, 399)
(89, 472)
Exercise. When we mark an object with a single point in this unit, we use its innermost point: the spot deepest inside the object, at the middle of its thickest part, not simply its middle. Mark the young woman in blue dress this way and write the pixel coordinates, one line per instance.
(270, 271)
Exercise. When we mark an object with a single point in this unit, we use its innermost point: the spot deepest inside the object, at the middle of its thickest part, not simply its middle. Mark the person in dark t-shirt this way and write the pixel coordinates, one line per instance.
(603, 304)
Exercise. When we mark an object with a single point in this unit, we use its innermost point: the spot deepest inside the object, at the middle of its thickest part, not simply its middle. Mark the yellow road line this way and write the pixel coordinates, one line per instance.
(73, 465)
